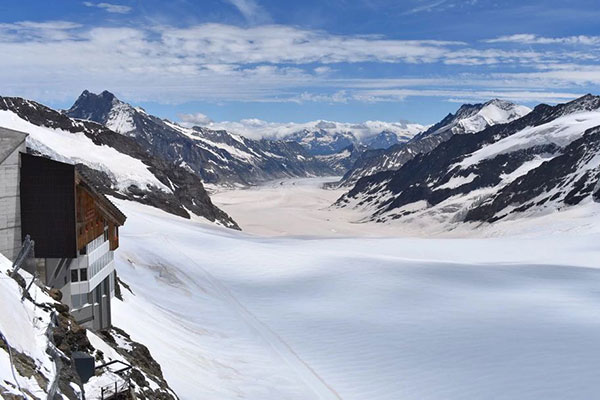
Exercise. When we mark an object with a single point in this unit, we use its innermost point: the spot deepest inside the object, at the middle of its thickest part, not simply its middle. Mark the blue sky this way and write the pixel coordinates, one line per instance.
(298, 61)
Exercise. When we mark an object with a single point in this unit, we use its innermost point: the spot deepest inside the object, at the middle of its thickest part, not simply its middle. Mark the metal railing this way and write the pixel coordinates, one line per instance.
(121, 387)
(26, 250)
(112, 391)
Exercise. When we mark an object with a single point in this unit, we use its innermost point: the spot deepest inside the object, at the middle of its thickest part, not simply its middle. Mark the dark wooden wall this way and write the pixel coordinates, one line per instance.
(48, 206)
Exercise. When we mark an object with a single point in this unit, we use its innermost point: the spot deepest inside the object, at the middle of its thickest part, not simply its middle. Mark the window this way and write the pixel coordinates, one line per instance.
(77, 300)
(83, 274)
(74, 275)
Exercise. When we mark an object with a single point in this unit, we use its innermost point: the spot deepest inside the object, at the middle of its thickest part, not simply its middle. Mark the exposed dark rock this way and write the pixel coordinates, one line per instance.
(140, 358)
(25, 366)
(342, 161)
(212, 155)
(119, 283)
(394, 157)
(552, 176)
(426, 176)
(56, 294)
(188, 190)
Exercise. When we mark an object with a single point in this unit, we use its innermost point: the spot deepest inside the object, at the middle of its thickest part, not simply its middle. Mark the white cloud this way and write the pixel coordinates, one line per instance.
(252, 12)
(426, 7)
(554, 74)
(194, 119)
(528, 38)
(25, 31)
(470, 95)
(284, 44)
(108, 7)
(55, 60)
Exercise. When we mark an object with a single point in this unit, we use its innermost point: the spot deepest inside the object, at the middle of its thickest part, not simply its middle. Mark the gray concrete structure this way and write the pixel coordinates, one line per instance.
(12, 143)
(87, 283)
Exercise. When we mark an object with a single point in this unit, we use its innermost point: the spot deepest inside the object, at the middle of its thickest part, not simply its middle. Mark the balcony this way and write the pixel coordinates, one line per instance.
(98, 263)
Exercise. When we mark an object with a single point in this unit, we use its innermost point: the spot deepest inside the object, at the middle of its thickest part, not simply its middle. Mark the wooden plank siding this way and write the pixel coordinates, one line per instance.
(90, 222)
(94, 213)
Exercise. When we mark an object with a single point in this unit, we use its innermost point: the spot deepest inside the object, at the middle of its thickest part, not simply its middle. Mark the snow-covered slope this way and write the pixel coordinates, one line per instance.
(540, 163)
(362, 318)
(470, 118)
(38, 337)
(217, 156)
(492, 113)
(23, 325)
(77, 148)
(116, 164)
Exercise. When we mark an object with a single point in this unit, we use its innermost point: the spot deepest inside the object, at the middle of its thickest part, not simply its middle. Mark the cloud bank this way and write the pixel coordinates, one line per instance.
(55, 60)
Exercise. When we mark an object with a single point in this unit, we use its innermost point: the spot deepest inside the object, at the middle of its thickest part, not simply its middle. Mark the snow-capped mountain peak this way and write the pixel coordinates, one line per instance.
(543, 162)
(493, 112)
(107, 109)
(468, 119)
(215, 155)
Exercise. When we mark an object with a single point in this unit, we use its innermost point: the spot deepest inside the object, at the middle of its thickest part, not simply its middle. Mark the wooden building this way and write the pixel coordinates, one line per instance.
(76, 230)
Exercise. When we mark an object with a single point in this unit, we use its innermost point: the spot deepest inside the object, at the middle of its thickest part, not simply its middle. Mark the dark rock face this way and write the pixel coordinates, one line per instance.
(564, 179)
(93, 107)
(144, 366)
(342, 161)
(394, 157)
(383, 140)
(187, 189)
(569, 175)
(215, 156)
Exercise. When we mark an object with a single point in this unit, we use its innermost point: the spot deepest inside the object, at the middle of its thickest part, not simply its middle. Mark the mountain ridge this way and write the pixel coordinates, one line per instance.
(494, 173)
(216, 156)
(143, 176)
(469, 118)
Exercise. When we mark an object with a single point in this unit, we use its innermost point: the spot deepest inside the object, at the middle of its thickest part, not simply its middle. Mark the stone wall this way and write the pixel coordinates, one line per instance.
(10, 205)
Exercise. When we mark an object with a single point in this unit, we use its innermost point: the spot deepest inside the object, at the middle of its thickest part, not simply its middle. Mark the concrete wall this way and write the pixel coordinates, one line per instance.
(10, 205)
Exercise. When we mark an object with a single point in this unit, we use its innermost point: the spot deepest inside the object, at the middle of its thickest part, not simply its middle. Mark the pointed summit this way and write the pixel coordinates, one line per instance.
(105, 109)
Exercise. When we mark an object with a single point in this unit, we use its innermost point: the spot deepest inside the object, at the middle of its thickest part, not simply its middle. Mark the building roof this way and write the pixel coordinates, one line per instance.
(10, 141)
(106, 205)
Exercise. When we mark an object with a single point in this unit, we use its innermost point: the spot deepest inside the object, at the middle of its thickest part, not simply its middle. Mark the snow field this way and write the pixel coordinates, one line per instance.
(229, 315)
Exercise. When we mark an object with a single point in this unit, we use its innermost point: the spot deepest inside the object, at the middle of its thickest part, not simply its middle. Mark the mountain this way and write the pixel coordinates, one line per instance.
(327, 137)
(547, 160)
(216, 156)
(118, 165)
(470, 118)
(321, 142)
(343, 160)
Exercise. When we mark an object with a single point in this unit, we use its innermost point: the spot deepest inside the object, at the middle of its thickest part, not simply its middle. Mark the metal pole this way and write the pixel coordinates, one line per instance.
(29, 286)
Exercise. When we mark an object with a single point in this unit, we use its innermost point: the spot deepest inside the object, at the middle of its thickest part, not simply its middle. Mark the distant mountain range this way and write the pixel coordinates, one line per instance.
(216, 156)
(327, 137)
(486, 162)
(478, 171)
(469, 118)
